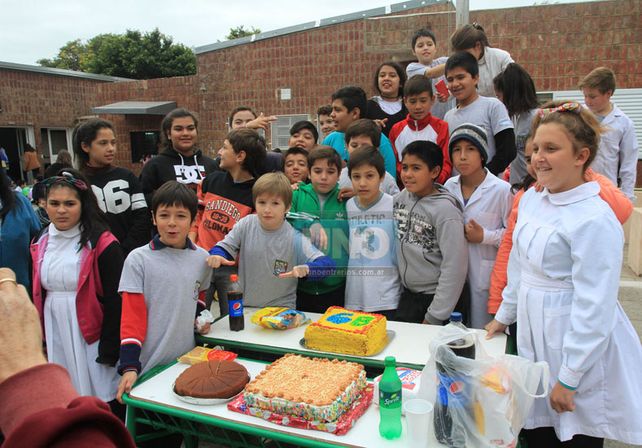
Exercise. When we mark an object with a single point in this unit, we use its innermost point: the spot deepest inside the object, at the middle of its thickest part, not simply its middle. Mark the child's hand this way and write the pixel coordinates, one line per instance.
(318, 236)
(297, 272)
(442, 98)
(381, 123)
(215, 261)
(345, 194)
(494, 326)
(126, 382)
(562, 399)
(203, 329)
(261, 122)
(473, 232)
(295, 186)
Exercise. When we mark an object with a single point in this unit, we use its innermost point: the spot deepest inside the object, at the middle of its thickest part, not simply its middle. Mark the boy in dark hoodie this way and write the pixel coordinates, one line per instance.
(180, 159)
(431, 248)
(225, 197)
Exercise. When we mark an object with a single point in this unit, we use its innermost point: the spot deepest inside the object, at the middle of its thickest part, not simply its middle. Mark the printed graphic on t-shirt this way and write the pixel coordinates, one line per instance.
(189, 174)
(280, 267)
(415, 229)
(114, 197)
(197, 290)
(219, 216)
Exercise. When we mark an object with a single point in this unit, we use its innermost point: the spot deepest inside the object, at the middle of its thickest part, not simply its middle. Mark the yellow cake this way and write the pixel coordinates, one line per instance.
(350, 332)
(311, 388)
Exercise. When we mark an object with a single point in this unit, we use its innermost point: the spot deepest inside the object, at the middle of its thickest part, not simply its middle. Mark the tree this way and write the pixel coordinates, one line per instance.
(130, 55)
(240, 31)
(70, 56)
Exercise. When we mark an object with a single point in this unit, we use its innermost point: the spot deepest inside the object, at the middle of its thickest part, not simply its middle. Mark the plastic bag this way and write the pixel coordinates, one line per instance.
(279, 318)
(479, 402)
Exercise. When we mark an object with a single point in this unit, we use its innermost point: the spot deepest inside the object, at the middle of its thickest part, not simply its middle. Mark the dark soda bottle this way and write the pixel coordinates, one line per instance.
(453, 390)
(390, 401)
(235, 304)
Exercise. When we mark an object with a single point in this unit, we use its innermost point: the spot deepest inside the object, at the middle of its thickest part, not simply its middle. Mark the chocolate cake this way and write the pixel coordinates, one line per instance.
(212, 379)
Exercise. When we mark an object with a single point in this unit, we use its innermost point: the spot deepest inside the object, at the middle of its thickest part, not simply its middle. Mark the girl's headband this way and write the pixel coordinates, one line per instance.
(570, 106)
(68, 179)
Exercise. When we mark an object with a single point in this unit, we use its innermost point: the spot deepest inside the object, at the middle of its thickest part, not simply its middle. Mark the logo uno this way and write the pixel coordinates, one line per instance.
(236, 306)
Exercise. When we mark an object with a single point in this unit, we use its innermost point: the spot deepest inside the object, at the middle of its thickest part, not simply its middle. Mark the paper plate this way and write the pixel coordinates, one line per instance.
(390, 335)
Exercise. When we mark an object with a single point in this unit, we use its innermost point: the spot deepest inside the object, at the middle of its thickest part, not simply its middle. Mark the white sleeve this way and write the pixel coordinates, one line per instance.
(499, 119)
(628, 160)
(596, 251)
(415, 68)
(504, 206)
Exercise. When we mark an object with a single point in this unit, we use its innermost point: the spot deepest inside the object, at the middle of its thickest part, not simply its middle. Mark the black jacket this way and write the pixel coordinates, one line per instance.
(171, 165)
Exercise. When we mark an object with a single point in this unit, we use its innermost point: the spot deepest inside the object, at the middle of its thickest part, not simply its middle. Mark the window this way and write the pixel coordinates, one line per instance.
(280, 129)
(53, 140)
(144, 143)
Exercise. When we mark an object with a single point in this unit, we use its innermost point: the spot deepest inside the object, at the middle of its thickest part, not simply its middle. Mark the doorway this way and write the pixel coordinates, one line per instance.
(13, 140)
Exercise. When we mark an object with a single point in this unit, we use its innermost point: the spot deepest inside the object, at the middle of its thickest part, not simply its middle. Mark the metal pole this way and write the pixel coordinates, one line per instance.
(461, 16)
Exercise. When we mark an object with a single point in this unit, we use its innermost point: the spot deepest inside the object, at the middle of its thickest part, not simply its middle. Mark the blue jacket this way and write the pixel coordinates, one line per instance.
(19, 226)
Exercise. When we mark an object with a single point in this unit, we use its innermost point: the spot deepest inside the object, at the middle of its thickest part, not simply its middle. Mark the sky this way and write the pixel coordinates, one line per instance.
(35, 29)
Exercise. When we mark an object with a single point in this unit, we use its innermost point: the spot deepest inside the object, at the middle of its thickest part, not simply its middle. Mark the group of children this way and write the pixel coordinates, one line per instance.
(322, 225)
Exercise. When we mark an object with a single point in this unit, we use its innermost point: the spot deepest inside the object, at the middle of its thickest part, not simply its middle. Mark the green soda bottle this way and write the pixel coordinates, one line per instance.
(390, 401)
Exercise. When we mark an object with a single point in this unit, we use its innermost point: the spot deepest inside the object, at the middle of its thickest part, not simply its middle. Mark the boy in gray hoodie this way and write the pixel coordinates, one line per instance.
(431, 247)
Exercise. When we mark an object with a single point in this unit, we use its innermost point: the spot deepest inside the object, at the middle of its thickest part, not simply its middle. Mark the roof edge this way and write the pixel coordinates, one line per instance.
(60, 72)
(359, 15)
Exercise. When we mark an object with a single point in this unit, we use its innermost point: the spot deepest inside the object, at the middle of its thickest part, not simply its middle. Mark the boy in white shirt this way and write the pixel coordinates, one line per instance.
(487, 202)
(372, 283)
(424, 47)
(617, 157)
(361, 134)
(462, 74)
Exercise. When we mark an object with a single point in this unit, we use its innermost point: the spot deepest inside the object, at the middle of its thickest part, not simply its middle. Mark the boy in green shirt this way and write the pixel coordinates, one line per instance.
(317, 210)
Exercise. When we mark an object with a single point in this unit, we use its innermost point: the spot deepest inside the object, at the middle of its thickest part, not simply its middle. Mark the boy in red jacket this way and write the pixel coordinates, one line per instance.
(420, 124)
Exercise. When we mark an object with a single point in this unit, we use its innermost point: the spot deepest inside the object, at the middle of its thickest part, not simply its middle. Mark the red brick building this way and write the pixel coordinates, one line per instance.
(557, 44)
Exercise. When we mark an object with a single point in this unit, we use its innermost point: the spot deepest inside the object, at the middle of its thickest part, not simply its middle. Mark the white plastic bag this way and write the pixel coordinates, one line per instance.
(479, 402)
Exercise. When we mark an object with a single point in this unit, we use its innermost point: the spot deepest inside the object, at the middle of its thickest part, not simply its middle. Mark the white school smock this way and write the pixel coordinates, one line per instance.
(489, 205)
(563, 279)
(617, 156)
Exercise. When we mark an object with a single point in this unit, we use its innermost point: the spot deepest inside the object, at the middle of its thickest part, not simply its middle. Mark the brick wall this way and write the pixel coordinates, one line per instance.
(43, 101)
(558, 44)
(181, 89)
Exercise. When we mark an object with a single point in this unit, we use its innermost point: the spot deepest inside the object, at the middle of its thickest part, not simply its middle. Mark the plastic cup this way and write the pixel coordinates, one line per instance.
(418, 421)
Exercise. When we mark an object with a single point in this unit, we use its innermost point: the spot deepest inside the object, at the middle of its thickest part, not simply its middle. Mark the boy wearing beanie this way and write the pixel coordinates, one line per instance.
(486, 201)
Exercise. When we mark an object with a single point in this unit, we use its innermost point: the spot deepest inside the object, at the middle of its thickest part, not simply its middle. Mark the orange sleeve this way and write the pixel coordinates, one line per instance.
(498, 277)
(133, 323)
(612, 195)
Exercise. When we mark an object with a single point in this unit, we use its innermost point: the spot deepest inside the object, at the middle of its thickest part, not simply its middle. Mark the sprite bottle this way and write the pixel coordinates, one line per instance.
(390, 401)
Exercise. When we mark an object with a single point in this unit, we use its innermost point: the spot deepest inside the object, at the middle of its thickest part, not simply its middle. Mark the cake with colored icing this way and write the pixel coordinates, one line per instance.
(314, 389)
(351, 332)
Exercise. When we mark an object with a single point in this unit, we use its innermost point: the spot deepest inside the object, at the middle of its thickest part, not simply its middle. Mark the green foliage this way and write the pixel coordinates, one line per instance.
(240, 31)
(130, 55)
(70, 56)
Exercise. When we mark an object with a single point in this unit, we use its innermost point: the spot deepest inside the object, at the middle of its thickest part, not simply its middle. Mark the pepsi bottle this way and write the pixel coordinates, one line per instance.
(235, 304)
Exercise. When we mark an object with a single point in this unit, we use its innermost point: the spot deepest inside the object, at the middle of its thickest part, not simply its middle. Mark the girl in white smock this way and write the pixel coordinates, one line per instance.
(76, 266)
(563, 279)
